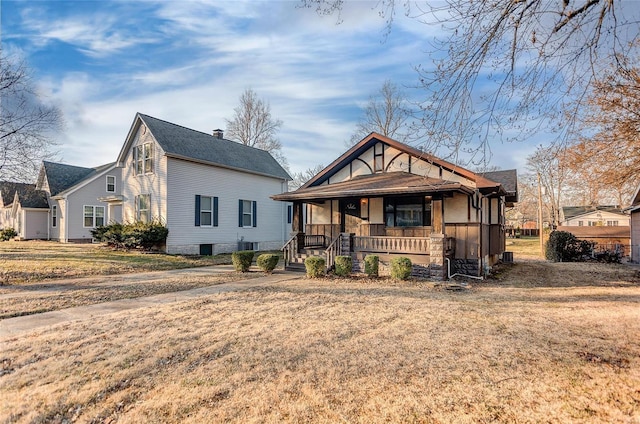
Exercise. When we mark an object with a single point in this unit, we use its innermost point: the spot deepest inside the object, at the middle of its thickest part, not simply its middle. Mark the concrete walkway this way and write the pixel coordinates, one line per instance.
(19, 326)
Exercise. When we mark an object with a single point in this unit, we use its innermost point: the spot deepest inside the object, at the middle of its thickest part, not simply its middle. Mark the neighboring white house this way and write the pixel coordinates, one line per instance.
(211, 193)
(634, 211)
(594, 216)
(24, 208)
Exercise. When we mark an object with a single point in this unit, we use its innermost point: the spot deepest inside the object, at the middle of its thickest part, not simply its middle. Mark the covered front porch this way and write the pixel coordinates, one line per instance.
(392, 215)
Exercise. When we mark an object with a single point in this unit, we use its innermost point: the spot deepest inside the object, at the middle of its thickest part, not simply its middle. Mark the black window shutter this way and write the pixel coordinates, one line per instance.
(255, 214)
(289, 213)
(215, 211)
(240, 213)
(197, 210)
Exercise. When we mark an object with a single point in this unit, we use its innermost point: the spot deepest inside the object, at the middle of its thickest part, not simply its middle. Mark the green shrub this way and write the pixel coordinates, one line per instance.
(7, 234)
(371, 265)
(137, 235)
(315, 266)
(344, 266)
(242, 260)
(563, 246)
(267, 261)
(400, 268)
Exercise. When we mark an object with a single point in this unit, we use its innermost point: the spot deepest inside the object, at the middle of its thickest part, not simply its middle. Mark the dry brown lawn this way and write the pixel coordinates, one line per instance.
(541, 343)
(23, 262)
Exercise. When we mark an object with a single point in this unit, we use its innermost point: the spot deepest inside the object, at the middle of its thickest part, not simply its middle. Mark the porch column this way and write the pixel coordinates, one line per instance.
(437, 268)
(297, 221)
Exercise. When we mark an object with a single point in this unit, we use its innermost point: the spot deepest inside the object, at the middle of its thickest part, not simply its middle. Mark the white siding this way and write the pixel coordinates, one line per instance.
(599, 218)
(86, 195)
(154, 184)
(34, 224)
(635, 236)
(54, 232)
(188, 179)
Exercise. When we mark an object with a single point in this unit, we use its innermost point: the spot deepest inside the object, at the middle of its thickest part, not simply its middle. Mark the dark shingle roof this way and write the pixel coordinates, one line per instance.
(573, 211)
(32, 198)
(509, 180)
(9, 188)
(60, 176)
(183, 142)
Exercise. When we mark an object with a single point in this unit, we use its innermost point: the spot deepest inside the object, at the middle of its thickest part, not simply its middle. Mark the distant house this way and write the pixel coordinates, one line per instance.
(25, 209)
(607, 226)
(76, 204)
(386, 198)
(212, 193)
(593, 216)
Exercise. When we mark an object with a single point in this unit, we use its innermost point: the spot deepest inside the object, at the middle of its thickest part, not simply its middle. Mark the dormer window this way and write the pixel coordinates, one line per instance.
(143, 158)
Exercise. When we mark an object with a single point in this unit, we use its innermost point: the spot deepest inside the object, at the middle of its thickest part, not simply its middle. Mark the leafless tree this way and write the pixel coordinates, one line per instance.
(253, 125)
(550, 165)
(607, 155)
(503, 69)
(388, 113)
(27, 123)
(299, 178)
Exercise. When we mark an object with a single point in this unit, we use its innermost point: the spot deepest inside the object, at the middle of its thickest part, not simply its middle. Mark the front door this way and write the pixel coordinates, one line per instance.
(350, 215)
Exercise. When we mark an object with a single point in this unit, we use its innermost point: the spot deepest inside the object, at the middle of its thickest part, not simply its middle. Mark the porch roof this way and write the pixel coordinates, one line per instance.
(388, 183)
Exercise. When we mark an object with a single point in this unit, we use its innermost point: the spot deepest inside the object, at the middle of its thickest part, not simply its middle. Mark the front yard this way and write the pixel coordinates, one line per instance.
(34, 261)
(540, 343)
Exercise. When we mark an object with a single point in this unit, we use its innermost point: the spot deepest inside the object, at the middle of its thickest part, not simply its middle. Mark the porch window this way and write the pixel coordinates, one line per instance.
(93, 216)
(408, 212)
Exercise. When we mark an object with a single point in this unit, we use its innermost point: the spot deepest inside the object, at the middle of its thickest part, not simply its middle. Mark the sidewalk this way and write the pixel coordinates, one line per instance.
(18, 326)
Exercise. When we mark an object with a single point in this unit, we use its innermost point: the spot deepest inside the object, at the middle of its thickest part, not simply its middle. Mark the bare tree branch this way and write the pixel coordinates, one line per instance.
(252, 125)
(27, 124)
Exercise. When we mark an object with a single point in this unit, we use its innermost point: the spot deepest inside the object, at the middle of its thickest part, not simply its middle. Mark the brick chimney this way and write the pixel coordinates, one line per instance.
(218, 133)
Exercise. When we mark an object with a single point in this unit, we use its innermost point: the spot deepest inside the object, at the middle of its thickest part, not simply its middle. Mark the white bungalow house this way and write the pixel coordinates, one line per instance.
(211, 193)
(387, 198)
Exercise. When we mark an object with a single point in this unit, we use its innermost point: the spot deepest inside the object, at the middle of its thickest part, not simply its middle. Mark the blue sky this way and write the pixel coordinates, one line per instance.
(187, 62)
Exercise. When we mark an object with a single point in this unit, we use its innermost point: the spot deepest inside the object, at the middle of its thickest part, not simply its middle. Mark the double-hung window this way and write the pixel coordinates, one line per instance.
(206, 211)
(143, 207)
(247, 213)
(143, 158)
(93, 216)
(111, 184)
(54, 216)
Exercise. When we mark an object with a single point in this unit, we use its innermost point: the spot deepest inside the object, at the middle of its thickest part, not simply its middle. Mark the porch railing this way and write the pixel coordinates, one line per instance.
(418, 245)
(316, 240)
(290, 250)
(331, 252)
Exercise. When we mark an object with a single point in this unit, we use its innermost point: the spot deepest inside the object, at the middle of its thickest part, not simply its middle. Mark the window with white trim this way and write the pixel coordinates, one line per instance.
(143, 207)
(54, 216)
(247, 213)
(612, 223)
(93, 216)
(111, 184)
(206, 211)
(143, 158)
